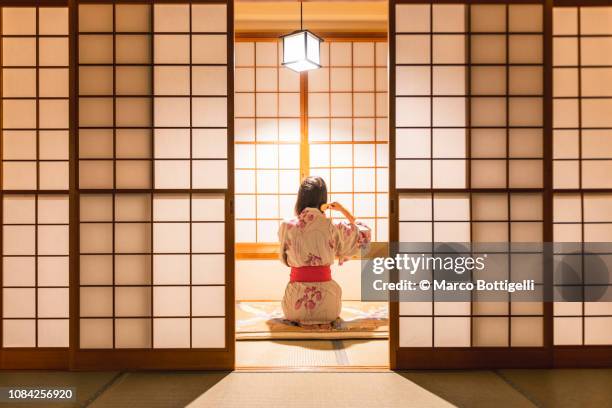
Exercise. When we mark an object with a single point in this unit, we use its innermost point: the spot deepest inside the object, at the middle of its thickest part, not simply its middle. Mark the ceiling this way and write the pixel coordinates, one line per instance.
(272, 17)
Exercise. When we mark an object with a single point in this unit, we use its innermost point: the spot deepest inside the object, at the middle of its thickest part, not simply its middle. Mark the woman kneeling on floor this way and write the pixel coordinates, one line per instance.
(309, 243)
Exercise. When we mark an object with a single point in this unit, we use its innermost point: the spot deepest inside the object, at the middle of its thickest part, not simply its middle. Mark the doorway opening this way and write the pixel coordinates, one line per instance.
(329, 122)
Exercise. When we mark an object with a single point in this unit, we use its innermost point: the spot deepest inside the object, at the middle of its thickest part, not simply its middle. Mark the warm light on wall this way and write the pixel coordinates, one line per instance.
(301, 49)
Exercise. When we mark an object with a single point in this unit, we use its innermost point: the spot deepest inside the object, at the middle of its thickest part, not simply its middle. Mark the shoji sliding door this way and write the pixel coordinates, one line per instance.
(330, 122)
(155, 213)
(35, 212)
(267, 149)
(347, 128)
(467, 147)
(582, 102)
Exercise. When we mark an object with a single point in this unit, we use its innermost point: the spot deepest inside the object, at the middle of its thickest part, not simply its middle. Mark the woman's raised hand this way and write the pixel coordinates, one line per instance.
(336, 206)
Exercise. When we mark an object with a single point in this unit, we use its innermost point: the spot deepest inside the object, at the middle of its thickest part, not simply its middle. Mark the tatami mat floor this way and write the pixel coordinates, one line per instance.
(567, 388)
(312, 353)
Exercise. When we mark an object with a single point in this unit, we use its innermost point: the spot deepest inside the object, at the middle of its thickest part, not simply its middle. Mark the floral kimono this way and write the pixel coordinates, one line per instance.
(312, 242)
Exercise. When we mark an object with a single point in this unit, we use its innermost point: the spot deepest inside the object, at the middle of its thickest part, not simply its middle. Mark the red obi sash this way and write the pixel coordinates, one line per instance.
(310, 274)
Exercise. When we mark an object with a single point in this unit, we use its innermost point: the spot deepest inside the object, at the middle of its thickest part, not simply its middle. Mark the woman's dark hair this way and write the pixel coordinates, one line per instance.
(312, 193)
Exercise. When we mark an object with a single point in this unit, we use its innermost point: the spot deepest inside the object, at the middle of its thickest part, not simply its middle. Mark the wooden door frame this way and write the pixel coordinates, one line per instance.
(270, 251)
